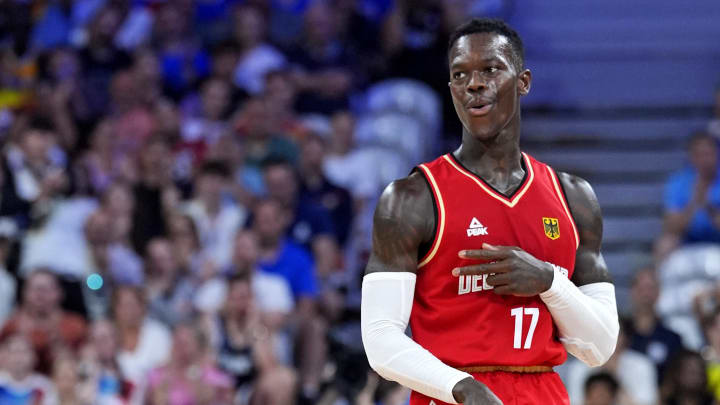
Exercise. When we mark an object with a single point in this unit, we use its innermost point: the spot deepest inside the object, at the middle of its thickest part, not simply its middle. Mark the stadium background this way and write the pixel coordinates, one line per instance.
(139, 137)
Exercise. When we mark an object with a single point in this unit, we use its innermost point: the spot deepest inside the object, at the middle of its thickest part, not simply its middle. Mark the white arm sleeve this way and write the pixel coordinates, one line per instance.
(387, 299)
(586, 317)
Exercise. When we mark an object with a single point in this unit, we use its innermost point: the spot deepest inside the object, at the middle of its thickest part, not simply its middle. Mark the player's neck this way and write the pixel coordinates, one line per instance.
(497, 161)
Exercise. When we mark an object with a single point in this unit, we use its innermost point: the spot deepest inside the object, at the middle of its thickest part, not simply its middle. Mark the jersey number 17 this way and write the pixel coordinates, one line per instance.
(518, 313)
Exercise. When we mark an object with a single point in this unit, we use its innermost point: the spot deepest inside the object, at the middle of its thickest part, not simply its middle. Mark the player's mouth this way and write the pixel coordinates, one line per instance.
(478, 109)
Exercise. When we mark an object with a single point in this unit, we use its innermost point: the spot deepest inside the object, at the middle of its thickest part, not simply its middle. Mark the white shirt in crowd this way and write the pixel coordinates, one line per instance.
(153, 350)
(271, 292)
(7, 294)
(636, 374)
(217, 234)
(254, 64)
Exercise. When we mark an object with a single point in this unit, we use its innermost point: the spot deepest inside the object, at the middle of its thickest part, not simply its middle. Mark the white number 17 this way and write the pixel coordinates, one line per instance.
(518, 314)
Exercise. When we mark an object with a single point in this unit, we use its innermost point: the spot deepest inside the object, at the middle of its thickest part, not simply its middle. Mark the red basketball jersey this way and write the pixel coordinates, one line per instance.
(460, 319)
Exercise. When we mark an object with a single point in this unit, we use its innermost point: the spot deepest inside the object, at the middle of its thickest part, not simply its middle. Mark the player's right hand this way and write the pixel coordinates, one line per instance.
(472, 392)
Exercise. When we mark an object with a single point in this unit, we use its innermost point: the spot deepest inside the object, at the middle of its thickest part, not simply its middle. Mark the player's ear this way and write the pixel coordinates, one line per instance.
(524, 82)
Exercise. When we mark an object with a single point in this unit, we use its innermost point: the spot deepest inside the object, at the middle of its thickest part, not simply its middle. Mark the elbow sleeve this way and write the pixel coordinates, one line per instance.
(586, 318)
(385, 311)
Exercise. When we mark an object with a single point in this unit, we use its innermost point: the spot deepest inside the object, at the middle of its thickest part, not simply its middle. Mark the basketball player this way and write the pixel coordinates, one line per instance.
(492, 256)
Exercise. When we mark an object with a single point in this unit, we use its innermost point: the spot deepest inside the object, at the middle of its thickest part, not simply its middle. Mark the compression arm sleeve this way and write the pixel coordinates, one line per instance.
(586, 318)
(387, 299)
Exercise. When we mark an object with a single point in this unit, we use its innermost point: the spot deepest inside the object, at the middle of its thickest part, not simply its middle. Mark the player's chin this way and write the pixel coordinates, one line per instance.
(483, 133)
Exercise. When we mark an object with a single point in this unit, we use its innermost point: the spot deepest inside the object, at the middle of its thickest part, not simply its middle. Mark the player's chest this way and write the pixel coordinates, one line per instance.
(538, 224)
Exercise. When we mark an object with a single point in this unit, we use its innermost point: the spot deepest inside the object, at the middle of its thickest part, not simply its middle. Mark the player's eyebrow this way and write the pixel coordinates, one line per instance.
(462, 63)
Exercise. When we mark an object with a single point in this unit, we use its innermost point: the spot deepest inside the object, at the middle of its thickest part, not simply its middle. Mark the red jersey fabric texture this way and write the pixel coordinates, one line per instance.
(515, 389)
(460, 319)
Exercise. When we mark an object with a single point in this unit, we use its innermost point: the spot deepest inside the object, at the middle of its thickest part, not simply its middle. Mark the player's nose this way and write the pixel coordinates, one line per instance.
(476, 83)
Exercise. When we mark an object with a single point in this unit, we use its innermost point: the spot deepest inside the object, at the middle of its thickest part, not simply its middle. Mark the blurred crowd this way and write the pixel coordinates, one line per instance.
(186, 202)
(187, 191)
(669, 346)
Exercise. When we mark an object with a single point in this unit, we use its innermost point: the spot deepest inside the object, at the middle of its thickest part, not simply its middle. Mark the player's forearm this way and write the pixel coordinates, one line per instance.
(385, 311)
(586, 318)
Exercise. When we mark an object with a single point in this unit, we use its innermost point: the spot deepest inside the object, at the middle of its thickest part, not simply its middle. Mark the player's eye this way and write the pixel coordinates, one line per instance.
(458, 75)
(491, 69)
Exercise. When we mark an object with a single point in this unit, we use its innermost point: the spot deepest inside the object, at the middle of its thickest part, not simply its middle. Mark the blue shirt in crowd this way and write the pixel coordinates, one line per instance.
(678, 193)
(295, 265)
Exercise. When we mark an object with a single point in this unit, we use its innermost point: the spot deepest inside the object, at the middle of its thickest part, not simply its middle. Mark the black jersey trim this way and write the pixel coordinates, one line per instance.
(424, 248)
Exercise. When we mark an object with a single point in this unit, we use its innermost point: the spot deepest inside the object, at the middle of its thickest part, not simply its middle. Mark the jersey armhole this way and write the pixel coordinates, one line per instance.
(562, 195)
(427, 250)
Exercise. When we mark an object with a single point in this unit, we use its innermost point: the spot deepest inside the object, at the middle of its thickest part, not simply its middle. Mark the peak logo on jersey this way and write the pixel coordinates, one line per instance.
(431, 402)
(552, 230)
(476, 228)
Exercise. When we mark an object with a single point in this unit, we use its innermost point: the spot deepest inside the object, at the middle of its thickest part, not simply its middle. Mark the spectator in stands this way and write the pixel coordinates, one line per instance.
(714, 124)
(634, 371)
(205, 115)
(101, 165)
(155, 192)
(34, 172)
(8, 284)
(169, 292)
(19, 384)
(692, 199)
(58, 95)
(271, 292)
(66, 379)
(185, 240)
(601, 389)
(245, 348)
(42, 321)
(100, 59)
(361, 172)
(685, 382)
(146, 71)
(279, 255)
(257, 56)
(224, 59)
(315, 187)
(103, 379)
(118, 202)
(648, 334)
(111, 261)
(189, 377)
(322, 63)
(253, 124)
(182, 58)
(309, 219)
(144, 342)
(133, 122)
(279, 98)
(216, 217)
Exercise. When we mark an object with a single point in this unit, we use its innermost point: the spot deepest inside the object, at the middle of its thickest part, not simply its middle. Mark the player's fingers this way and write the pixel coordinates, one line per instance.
(506, 289)
(485, 254)
(488, 246)
(498, 279)
(485, 268)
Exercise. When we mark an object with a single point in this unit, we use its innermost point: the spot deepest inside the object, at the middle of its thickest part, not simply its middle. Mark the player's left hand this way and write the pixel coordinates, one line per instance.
(511, 271)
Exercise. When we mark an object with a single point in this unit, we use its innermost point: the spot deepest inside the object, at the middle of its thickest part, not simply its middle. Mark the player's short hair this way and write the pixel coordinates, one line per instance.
(496, 26)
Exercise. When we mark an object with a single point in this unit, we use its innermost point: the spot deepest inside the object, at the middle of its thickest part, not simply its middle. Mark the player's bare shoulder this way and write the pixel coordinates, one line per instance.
(590, 266)
(404, 219)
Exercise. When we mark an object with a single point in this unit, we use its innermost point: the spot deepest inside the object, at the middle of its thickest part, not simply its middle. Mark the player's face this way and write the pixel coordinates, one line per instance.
(484, 84)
